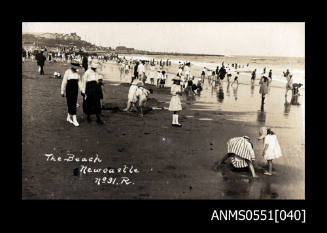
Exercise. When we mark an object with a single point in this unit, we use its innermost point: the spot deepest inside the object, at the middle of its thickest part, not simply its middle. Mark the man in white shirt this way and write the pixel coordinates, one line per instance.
(141, 72)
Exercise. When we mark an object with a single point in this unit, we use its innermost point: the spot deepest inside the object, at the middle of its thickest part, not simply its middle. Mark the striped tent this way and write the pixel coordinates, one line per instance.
(242, 149)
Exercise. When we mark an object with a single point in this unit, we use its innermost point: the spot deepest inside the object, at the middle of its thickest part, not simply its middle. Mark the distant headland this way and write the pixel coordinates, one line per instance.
(53, 41)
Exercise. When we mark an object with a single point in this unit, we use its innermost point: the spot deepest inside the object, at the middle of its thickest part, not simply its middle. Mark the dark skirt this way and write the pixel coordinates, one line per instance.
(92, 103)
(162, 81)
(85, 66)
(71, 95)
(100, 91)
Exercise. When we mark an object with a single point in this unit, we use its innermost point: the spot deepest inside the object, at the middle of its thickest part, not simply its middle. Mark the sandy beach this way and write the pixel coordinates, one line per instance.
(172, 163)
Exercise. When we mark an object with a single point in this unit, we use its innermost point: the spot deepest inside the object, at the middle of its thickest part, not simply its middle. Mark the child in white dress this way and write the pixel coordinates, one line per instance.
(131, 95)
(159, 76)
(152, 73)
(271, 148)
(175, 102)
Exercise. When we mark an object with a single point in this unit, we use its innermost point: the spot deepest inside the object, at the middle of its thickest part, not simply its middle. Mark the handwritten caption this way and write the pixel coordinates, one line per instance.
(108, 175)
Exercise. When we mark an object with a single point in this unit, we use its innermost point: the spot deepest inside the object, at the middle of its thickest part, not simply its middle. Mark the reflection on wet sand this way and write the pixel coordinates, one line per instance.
(227, 89)
(236, 184)
(220, 93)
(235, 89)
(252, 89)
(287, 107)
(267, 191)
(261, 116)
(274, 111)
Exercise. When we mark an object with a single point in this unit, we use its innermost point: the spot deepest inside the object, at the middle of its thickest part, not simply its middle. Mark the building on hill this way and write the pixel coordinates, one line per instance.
(123, 49)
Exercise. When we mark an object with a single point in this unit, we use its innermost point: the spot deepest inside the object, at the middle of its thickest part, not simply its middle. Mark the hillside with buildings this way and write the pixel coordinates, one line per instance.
(55, 41)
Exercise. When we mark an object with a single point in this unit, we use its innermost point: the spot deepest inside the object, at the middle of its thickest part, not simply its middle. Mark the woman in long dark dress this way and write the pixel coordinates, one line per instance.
(263, 87)
(71, 82)
(91, 93)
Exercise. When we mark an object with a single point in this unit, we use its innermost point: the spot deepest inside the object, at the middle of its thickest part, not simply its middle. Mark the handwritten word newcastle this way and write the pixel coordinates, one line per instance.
(108, 175)
(126, 169)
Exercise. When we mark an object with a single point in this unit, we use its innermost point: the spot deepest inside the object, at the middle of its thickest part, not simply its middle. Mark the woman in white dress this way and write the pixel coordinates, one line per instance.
(175, 103)
(159, 77)
(271, 148)
(71, 82)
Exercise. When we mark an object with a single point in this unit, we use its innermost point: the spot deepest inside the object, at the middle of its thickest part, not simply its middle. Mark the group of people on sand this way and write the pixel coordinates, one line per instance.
(90, 86)
(240, 150)
(241, 153)
(137, 96)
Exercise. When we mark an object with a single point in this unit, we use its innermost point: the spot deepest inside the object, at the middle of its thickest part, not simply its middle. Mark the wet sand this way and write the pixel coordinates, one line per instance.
(174, 163)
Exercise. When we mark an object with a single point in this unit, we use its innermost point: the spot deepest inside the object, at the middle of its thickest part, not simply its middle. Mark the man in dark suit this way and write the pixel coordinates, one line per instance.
(40, 62)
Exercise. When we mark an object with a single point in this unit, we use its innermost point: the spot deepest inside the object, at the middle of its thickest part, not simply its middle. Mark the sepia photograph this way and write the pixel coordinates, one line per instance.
(163, 110)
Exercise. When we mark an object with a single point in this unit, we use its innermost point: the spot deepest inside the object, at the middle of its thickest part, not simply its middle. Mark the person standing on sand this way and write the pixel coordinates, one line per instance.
(131, 95)
(271, 148)
(289, 84)
(240, 151)
(24, 55)
(253, 76)
(203, 74)
(222, 72)
(187, 69)
(175, 103)
(152, 74)
(121, 70)
(163, 79)
(263, 87)
(100, 86)
(126, 68)
(91, 94)
(295, 93)
(40, 62)
(270, 74)
(136, 74)
(71, 82)
(236, 79)
(141, 71)
(159, 76)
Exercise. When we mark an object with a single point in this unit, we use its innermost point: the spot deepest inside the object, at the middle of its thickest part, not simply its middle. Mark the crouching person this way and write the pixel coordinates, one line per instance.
(142, 96)
(241, 153)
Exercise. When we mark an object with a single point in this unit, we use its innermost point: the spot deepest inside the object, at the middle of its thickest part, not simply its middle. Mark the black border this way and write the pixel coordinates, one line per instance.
(185, 211)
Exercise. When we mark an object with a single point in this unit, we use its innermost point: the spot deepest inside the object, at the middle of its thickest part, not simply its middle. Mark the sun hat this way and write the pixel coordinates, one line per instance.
(262, 132)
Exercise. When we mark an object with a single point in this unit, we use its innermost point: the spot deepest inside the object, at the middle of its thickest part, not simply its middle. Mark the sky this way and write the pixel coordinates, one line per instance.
(249, 39)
